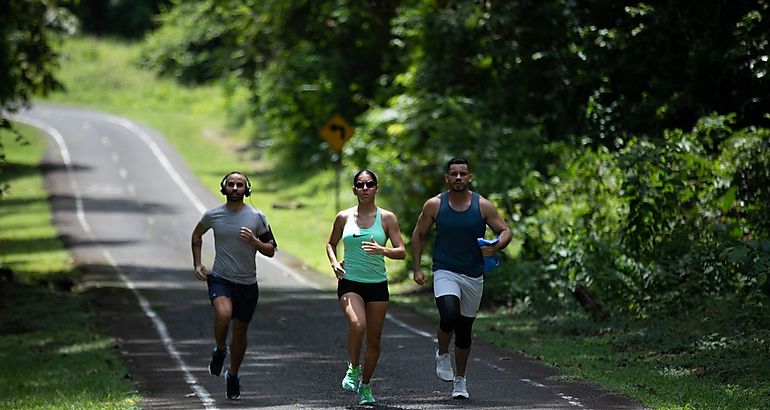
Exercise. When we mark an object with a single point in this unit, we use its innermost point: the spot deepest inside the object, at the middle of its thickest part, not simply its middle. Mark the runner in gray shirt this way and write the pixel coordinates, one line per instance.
(240, 231)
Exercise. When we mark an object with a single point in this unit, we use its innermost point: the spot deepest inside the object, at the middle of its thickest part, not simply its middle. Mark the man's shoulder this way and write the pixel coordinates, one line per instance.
(254, 211)
(432, 204)
(215, 210)
(435, 198)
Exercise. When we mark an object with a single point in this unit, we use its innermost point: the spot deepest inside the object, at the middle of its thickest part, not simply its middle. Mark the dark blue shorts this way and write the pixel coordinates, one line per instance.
(369, 292)
(243, 297)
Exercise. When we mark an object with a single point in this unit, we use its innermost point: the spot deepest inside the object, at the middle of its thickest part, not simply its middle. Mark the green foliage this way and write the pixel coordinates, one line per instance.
(190, 44)
(28, 30)
(52, 355)
(700, 341)
(625, 143)
(302, 62)
(128, 19)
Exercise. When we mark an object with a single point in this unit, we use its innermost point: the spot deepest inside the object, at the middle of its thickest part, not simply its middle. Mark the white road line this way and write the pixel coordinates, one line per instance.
(414, 330)
(168, 342)
(164, 161)
(574, 401)
(532, 382)
(157, 322)
(65, 154)
(160, 326)
(201, 208)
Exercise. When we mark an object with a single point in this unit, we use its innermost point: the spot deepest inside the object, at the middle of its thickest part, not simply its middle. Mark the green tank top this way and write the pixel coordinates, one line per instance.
(359, 265)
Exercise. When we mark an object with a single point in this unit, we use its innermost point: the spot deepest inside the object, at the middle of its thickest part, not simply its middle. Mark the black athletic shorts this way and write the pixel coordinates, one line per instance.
(243, 297)
(369, 292)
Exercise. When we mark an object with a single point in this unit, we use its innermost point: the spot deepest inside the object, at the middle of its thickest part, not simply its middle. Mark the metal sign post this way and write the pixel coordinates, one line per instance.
(336, 133)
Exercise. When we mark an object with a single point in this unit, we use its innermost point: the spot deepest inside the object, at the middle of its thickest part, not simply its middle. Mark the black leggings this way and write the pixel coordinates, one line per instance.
(452, 320)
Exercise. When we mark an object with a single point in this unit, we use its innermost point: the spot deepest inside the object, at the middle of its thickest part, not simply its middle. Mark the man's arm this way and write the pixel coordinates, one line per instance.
(196, 242)
(424, 224)
(265, 248)
(496, 222)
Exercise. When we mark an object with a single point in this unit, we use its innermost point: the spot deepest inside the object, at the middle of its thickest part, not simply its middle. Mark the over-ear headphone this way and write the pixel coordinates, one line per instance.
(222, 189)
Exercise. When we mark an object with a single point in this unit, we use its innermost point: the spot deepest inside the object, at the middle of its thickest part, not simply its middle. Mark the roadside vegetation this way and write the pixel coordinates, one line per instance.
(636, 187)
(53, 351)
(714, 357)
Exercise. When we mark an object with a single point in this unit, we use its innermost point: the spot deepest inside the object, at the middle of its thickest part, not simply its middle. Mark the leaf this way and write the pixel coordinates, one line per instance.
(738, 254)
(727, 200)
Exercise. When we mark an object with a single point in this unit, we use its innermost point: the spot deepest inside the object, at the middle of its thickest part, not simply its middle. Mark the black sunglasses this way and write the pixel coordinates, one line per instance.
(368, 184)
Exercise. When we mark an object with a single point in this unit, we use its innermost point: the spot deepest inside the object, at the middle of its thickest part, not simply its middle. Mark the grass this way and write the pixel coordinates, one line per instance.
(194, 120)
(700, 360)
(52, 352)
(695, 362)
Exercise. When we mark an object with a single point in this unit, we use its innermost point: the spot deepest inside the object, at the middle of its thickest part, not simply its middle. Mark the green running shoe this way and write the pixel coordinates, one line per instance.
(350, 382)
(365, 394)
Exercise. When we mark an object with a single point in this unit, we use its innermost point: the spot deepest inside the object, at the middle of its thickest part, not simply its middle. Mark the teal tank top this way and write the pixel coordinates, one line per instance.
(456, 245)
(359, 265)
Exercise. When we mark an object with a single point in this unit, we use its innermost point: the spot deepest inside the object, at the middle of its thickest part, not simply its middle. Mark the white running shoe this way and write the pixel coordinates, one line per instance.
(459, 391)
(444, 369)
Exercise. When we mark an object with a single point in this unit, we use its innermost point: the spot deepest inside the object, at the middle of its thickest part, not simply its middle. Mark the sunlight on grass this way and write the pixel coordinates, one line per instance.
(86, 347)
(29, 241)
(51, 353)
(195, 122)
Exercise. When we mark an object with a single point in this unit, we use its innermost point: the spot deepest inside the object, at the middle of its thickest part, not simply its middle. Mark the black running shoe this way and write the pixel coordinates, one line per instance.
(217, 359)
(233, 386)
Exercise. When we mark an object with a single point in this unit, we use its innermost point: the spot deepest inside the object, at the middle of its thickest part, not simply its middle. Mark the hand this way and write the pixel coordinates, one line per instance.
(200, 272)
(488, 250)
(247, 235)
(372, 247)
(419, 277)
(338, 269)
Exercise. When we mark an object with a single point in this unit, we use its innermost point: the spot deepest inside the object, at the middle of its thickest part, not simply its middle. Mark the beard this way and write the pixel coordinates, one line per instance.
(235, 197)
(459, 186)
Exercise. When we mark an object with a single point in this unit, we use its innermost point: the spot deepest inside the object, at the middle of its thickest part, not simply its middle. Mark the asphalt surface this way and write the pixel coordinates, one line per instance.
(125, 204)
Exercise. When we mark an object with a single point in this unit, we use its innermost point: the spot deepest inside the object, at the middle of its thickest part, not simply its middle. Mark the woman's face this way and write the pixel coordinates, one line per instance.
(365, 187)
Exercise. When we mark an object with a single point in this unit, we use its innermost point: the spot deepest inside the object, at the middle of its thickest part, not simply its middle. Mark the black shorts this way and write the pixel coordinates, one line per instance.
(369, 292)
(243, 297)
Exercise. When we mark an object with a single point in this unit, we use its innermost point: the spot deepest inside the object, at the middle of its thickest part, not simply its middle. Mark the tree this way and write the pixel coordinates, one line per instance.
(28, 59)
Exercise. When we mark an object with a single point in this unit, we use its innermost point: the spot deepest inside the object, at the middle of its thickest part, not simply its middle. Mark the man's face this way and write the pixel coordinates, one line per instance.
(458, 177)
(235, 187)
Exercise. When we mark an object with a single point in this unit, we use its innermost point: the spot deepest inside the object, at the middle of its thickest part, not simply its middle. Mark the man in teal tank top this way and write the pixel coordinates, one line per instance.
(461, 217)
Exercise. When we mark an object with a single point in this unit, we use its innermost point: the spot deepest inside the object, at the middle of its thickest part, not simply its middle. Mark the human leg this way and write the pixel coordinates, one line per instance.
(462, 352)
(463, 343)
(352, 306)
(446, 290)
(375, 318)
(470, 301)
(238, 344)
(221, 303)
(244, 303)
(449, 309)
(449, 312)
(447, 293)
(223, 310)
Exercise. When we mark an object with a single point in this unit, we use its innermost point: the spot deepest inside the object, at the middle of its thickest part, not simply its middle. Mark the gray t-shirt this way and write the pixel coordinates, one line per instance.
(235, 259)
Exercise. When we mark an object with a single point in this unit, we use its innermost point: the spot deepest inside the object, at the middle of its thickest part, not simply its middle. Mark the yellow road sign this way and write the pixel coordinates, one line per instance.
(336, 132)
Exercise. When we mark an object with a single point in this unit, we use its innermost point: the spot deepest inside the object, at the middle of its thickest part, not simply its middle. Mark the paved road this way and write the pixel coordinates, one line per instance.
(125, 204)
